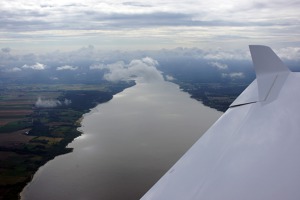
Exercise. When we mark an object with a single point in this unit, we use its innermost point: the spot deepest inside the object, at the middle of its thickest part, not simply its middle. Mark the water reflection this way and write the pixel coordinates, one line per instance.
(127, 145)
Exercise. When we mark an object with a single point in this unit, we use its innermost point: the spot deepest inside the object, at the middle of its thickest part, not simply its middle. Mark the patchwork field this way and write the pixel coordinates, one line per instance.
(36, 124)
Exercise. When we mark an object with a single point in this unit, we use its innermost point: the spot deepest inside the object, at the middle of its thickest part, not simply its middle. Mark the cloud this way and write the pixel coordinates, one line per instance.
(14, 69)
(54, 78)
(170, 78)
(221, 54)
(140, 70)
(289, 53)
(149, 61)
(51, 103)
(92, 63)
(67, 67)
(6, 50)
(233, 75)
(136, 4)
(37, 66)
(97, 66)
(219, 65)
(152, 23)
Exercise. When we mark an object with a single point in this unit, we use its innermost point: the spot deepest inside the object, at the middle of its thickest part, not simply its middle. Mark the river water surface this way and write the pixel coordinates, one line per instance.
(127, 144)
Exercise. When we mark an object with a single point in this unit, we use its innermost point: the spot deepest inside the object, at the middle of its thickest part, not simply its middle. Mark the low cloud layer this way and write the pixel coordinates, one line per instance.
(37, 66)
(143, 70)
(91, 65)
(14, 69)
(6, 50)
(170, 78)
(66, 67)
(51, 103)
(98, 66)
(219, 65)
(234, 75)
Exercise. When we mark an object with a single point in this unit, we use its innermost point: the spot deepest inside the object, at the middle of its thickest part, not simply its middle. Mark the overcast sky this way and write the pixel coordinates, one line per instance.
(43, 26)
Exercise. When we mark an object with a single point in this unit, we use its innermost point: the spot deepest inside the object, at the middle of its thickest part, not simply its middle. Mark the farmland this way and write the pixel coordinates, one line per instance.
(36, 124)
(215, 95)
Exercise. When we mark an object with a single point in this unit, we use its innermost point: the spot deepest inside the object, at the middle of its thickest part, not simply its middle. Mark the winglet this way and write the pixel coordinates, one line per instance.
(270, 71)
(266, 61)
(267, 66)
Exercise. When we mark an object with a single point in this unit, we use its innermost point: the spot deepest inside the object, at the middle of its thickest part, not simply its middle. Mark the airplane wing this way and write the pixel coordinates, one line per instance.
(253, 151)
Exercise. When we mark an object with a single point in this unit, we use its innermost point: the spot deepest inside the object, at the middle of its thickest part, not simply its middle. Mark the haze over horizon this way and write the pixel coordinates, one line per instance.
(66, 25)
(68, 38)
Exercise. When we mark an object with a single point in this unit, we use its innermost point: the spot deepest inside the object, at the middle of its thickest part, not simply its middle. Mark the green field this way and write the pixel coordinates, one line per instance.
(215, 95)
(32, 134)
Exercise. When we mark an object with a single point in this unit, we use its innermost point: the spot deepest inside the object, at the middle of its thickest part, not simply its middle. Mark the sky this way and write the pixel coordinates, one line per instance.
(43, 26)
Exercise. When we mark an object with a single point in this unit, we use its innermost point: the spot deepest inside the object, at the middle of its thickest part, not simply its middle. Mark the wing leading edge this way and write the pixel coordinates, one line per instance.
(252, 151)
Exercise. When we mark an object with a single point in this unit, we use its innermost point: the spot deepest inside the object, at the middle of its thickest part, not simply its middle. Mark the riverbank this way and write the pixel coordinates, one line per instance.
(128, 144)
(37, 122)
(214, 95)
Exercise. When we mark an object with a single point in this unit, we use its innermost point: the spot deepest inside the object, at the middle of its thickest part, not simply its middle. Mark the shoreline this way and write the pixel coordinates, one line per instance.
(51, 131)
(75, 133)
(104, 131)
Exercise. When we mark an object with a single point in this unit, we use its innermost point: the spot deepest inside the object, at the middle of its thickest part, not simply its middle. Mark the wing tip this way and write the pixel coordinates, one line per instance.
(251, 46)
(266, 61)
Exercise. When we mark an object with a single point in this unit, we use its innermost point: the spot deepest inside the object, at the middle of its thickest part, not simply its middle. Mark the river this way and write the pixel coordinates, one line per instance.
(127, 144)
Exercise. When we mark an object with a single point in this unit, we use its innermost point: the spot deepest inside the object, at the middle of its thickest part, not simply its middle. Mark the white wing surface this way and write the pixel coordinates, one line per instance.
(253, 151)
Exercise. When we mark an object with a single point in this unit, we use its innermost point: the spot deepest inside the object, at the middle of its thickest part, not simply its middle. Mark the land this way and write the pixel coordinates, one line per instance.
(33, 133)
(215, 95)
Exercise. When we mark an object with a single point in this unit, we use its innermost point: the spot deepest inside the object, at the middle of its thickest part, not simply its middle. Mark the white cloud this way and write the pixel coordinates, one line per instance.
(289, 53)
(37, 66)
(170, 78)
(149, 61)
(221, 66)
(143, 70)
(67, 67)
(15, 69)
(225, 54)
(233, 75)
(97, 66)
(51, 103)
